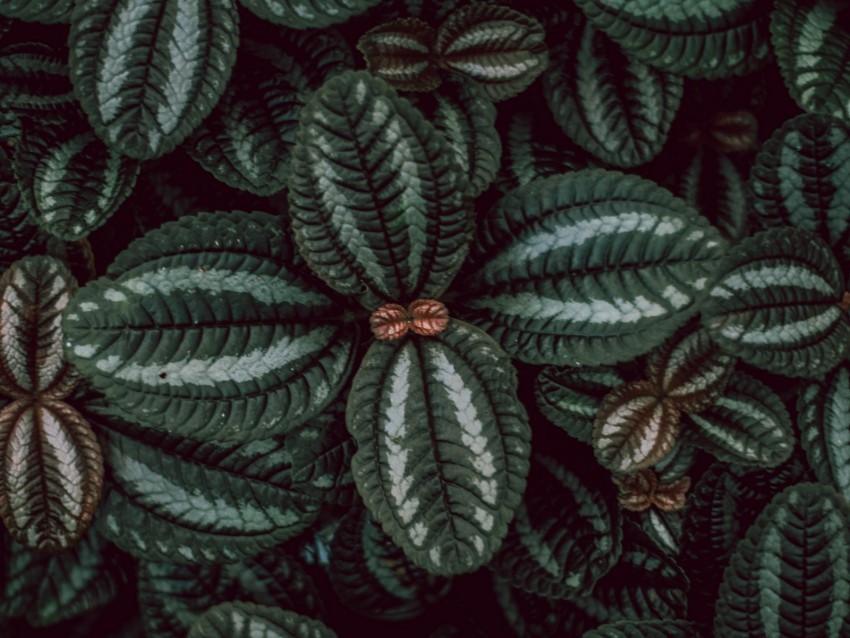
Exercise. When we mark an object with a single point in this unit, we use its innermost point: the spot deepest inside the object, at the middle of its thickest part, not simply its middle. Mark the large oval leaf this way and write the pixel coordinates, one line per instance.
(789, 576)
(147, 73)
(377, 197)
(778, 304)
(48, 11)
(308, 14)
(211, 327)
(589, 268)
(443, 482)
(51, 473)
(249, 620)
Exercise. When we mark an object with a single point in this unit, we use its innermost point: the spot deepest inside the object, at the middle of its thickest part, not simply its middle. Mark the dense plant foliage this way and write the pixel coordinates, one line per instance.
(348, 317)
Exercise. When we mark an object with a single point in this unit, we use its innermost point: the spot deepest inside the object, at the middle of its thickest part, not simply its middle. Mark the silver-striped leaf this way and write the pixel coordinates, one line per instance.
(588, 268)
(376, 195)
(663, 527)
(690, 369)
(51, 473)
(747, 425)
(790, 575)
(400, 53)
(34, 292)
(211, 327)
(461, 111)
(47, 11)
(148, 71)
(308, 14)
(565, 535)
(570, 397)
(614, 106)
(71, 180)
(172, 596)
(709, 39)
(801, 178)
(812, 43)
(248, 620)
(500, 48)
(777, 305)
(823, 409)
(443, 482)
(648, 629)
(33, 77)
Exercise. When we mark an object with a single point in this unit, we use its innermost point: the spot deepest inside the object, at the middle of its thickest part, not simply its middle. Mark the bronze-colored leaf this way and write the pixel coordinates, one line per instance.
(634, 427)
(642, 490)
(51, 473)
(400, 52)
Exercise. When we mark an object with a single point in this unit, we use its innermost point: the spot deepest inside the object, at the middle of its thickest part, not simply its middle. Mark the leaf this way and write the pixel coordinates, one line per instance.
(172, 596)
(711, 39)
(823, 409)
(565, 535)
(376, 196)
(800, 178)
(33, 78)
(588, 268)
(648, 629)
(500, 48)
(747, 425)
(812, 43)
(634, 427)
(570, 397)
(443, 483)
(663, 528)
(400, 53)
(47, 11)
(777, 305)
(210, 327)
(246, 620)
(52, 473)
(308, 14)
(147, 73)
(690, 370)
(72, 182)
(789, 575)
(612, 105)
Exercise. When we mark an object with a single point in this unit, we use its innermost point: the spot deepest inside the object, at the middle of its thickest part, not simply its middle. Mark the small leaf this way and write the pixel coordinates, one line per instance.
(33, 78)
(400, 52)
(147, 74)
(648, 629)
(777, 305)
(47, 11)
(501, 49)
(247, 620)
(641, 490)
(443, 483)
(308, 14)
(634, 427)
(52, 473)
(664, 528)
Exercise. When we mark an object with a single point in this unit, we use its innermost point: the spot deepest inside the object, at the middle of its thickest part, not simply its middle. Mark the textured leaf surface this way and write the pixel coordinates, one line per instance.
(747, 425)
(706, 39)
(565, 535)
(400, 52)
(211, 327)
(47, 11)
(801, 178)
(592, 267)
(812, 43)
(248, 620)
(570, 397)
(33, 77)
(789, 576)
(308, 14)
(376, 196)
(634, 427)
(443, 482)
(777, 305)
(18, 234)
(648, 629)
(34, 292)
(501, 49)
(612, 105)
(147, 72)
(52, 473)
(71, 180)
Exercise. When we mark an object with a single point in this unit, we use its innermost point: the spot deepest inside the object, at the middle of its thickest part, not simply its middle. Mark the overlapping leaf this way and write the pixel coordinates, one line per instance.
(777, 305)
(443, 482)
(648, 629)
(48, 11)
(376, 195)
(147, 73)
(710, 39)
(247, 620)
(592, 267)
(400, 52)
(663, 528)
(308, 14)
(789, 576)
(33, 77)
(211, 327)
(812, 43)
(615, 107)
